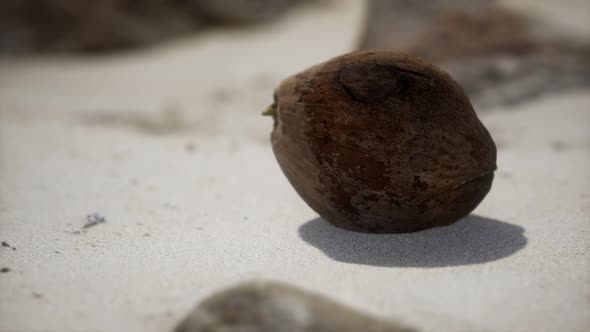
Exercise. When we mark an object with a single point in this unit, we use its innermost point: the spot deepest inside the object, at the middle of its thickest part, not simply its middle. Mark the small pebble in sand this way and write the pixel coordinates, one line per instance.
(7, 245)
(4, 270)
(170, 205)
(37, 295)
(190, 147)
(93, 219)
(558, 146)
(221, 95)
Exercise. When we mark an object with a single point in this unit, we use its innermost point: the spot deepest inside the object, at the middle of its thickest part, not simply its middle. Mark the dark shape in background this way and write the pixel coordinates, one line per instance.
(107, 25)
(473, 240)
(499, 56)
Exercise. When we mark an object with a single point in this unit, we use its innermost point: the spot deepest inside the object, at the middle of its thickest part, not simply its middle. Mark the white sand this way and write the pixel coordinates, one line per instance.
(80, 136)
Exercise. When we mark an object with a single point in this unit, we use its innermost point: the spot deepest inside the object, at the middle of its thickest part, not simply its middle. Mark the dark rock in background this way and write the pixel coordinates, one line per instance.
(274, 307)
(495, 53)
(104, 25)
(243, 11)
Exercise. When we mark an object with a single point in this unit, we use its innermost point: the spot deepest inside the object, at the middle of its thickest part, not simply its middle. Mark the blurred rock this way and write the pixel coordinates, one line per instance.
(243, 11)
(103, 25)
(508, 79)
(565, 23)
(273, 307)
(493, 49)
(401, 24)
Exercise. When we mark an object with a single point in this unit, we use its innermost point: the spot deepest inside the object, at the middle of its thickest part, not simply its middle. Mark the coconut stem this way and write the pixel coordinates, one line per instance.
(270, 111)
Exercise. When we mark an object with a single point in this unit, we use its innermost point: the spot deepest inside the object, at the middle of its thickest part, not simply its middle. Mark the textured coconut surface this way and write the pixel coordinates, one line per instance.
(167, 146)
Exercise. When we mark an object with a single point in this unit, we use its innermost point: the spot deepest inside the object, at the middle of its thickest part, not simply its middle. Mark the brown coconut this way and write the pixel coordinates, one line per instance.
(382, 142)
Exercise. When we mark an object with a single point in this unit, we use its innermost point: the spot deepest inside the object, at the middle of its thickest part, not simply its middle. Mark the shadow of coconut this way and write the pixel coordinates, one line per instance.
(472, 240)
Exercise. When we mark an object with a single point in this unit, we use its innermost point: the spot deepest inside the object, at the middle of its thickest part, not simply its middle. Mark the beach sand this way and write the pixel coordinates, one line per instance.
(167, 144)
